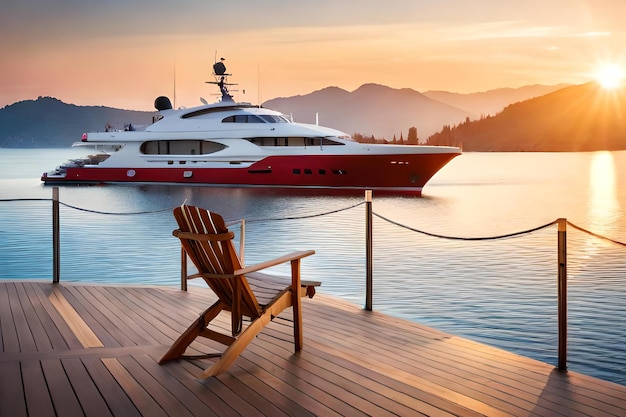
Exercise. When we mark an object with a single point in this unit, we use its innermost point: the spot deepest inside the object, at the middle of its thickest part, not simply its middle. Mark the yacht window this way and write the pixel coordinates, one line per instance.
(271, 118)
(330, 142)
(180, 147)
(243, 118)
(293, 141)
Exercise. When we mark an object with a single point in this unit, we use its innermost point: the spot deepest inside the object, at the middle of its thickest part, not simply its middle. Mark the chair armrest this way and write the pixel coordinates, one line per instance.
(257, 267)
(273, 262)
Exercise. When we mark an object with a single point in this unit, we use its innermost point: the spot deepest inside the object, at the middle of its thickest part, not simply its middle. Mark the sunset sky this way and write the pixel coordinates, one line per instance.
(124, 53)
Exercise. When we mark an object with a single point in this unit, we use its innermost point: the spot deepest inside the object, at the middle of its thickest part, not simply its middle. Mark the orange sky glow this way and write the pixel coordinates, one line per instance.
(125, 53)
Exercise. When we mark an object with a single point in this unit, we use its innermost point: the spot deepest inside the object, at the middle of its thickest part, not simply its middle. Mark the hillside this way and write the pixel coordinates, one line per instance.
(371, 109)
(576, 118)
(489, 103)
(48, 122)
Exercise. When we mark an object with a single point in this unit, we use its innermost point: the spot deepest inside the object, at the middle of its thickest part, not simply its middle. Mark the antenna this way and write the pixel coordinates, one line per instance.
(174, 83)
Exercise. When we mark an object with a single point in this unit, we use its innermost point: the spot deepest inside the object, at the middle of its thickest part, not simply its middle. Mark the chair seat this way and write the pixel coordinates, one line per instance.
(268, 287)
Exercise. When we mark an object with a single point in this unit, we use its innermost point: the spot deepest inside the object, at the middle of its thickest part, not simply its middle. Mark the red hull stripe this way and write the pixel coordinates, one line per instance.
(398, 172)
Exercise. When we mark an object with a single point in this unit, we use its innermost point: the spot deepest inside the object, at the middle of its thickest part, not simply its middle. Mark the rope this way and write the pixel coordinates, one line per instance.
(24, 199)
(308, 216)
(115, 214)
(595, 234)
(466, 238)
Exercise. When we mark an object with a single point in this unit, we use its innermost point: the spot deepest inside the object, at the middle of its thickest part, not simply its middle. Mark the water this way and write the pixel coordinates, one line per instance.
(500, 292)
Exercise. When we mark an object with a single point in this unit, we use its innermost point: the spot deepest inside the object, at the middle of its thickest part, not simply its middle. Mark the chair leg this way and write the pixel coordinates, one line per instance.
(234, 350)
(296, 302)
(199, 325)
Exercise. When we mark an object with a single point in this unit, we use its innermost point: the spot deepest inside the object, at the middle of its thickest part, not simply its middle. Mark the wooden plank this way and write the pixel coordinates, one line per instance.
(59, 333)
(156, 374)
(295, 387)
(12, 400)
(95, 313)
(116, 398)
(269, 389)
(347, 376)
(347, 369)
(28, 303)
(38, 401)
(163, 327)
(10, 342)
(125, 319)
(218, 400)
(129, 310)
(400, 398)
(489, 368)
(370, 351)
(254, 398)
(169, 403)
(141, 398)
(24, 335)
(63, 397)
(91, 401)
(237, 400)
(373, 357)
(37, 300)
(82, 331)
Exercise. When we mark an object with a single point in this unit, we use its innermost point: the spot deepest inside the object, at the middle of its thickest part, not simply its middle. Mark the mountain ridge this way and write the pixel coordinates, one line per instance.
(576, 118)
(537, 123)
(49, 122)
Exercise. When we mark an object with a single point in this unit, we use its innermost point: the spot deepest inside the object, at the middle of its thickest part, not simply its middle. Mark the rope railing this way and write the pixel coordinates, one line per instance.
(339, 210)
(562, 245)
(508, 235)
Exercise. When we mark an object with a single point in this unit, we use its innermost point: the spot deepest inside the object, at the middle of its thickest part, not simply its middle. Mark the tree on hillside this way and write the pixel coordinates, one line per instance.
(412, 138)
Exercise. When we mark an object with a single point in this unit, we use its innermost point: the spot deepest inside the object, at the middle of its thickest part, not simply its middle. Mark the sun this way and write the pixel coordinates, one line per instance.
(610, 76)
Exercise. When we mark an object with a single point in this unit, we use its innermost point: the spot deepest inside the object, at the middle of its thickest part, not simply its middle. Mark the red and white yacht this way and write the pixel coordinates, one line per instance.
(240, 145)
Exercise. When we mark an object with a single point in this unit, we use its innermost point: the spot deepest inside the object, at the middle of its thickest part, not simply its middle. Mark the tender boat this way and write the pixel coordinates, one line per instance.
(241, 145)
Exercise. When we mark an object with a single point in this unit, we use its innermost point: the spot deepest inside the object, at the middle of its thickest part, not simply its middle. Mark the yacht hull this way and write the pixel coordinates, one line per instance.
(403, 173)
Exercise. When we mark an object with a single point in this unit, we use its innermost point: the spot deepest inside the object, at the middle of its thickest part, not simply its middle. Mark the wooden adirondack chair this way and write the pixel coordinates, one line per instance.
(242, 291)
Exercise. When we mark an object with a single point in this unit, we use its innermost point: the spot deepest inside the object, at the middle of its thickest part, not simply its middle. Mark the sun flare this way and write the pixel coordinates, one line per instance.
(610, 76)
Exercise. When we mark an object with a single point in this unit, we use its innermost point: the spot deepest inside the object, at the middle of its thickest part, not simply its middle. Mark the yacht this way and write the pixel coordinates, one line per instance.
(233, 144)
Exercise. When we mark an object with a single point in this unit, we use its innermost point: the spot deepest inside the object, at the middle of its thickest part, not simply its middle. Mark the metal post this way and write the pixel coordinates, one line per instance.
(368, 250)
(242, 241)
(56, 246)
(562, 293)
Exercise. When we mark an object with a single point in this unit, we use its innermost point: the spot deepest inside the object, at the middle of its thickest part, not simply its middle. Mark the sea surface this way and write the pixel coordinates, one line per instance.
(502, 292)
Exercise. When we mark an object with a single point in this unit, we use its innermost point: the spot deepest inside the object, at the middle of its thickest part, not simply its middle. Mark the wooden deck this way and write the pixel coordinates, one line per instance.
(73, 350)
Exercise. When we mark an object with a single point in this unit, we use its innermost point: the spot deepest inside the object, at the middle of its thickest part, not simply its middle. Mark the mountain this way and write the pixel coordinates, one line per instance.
(493, 101)
(372, 109)
(577, 118)
(48, 122)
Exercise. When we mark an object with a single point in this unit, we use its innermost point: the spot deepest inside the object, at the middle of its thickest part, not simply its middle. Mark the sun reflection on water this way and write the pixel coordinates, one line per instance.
(604, 206)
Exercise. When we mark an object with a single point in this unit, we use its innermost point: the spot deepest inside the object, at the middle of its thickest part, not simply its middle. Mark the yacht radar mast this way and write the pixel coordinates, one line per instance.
(221, 80)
